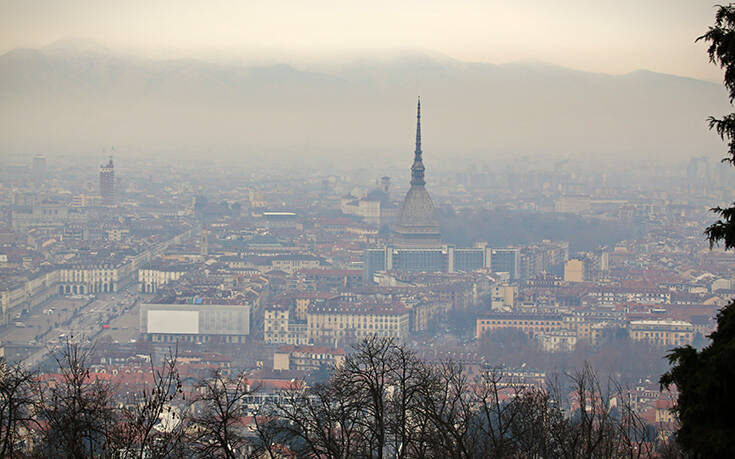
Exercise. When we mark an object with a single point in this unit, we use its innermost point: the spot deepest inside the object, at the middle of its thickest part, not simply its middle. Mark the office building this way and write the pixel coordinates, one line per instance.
(107, 183)
(39, 171)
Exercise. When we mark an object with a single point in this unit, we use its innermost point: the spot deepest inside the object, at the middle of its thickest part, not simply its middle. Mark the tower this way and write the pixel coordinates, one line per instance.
(417, 223)
(385, 185)
(107, 183)
(39, 171)
(204, 242)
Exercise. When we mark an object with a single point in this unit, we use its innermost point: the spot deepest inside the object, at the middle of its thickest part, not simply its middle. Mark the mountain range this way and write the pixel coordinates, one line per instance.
(85, 99)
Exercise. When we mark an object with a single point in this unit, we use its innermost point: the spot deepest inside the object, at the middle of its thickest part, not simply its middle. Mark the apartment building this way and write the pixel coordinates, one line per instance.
(307, 358)
(349, 322)
(662, 332)
(531, 324)
(281, 326)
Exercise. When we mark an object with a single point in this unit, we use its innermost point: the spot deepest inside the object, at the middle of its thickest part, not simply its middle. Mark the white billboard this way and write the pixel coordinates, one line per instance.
(176, 322)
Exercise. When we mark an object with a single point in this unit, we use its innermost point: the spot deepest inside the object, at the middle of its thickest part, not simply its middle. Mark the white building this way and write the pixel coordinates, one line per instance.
(150, 279)
(558, 341)
(86, 279)
(279, 327)
(198, 323)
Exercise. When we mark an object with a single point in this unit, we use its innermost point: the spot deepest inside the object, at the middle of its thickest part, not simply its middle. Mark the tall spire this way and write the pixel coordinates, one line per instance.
(417, 169)
(418, 128)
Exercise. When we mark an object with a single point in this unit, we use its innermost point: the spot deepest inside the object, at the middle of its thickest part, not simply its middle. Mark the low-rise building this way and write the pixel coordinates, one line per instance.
(195, 322)
(151, 278)
(307, 358)
(662, 332)
(349, 322)
(280, 326)
(89, 278)
(532, 324)
(558, 341)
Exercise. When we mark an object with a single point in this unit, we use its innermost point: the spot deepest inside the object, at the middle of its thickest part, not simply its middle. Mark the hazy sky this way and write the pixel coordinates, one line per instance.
(612, 36)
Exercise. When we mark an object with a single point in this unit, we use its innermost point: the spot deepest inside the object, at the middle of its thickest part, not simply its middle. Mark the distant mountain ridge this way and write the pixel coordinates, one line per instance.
(79, 96)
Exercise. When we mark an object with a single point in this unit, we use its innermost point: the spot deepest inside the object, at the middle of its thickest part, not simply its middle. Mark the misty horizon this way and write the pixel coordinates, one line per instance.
(192, 107)
(333, 228)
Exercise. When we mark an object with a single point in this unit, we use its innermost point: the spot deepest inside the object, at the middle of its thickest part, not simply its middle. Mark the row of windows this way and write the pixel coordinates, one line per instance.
(520, 322)
(377, 319)
(357, 326)
(680, 334)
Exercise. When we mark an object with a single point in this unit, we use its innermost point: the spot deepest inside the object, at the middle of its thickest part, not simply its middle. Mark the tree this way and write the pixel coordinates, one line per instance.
(323, 421)
(17, 402)
(151, 426)
(370, 407)
(386, 377)
(721, 39)
(219, 412)
(385, 402)
(703, 378)
(604, 424)
(706, 400)
(77, 409)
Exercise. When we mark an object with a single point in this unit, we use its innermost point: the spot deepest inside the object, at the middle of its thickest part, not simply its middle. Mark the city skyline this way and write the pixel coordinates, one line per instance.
(324, 228)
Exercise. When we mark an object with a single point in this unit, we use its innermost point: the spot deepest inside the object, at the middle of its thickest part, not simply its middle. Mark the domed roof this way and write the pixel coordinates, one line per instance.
(377, 195)
(417, 223)
(417, 210)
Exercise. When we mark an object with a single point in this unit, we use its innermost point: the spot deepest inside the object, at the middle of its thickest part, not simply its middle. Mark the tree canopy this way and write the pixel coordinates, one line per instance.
(704, 378)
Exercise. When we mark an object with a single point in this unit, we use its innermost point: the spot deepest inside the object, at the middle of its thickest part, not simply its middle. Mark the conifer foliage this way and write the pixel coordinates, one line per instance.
(704, 378)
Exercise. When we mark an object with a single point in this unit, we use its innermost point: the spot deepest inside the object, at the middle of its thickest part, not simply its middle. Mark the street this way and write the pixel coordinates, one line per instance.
(112, 315)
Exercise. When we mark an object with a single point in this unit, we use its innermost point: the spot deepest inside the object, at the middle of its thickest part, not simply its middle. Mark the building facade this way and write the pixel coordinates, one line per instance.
(531, 324)
(662, 332)
(350, 322)
(307, 358)
(195, 323)
(443, 259)
(88, 279)
(151, 278)
(107, 183)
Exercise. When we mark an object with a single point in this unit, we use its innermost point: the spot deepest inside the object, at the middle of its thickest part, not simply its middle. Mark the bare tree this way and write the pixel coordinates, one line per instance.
(17, 401)
(364, 376)
(219, 410)
(448, 413)
(324, 421)
(383, 401)
(151, 426)
(76, 409)
(370, 407)
(407, 376)
(602, 423)
(387, 379)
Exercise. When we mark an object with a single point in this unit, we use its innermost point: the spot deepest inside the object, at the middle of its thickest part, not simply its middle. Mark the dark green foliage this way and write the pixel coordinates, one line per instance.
(723, 229)
(721, 50)
(705, 378)
(706, 398)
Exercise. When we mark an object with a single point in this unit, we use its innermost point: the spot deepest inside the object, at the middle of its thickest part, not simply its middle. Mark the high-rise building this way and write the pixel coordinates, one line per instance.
(204, 242)
(39, 171)
(107, 183)
(417, 223)
(505, 260)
